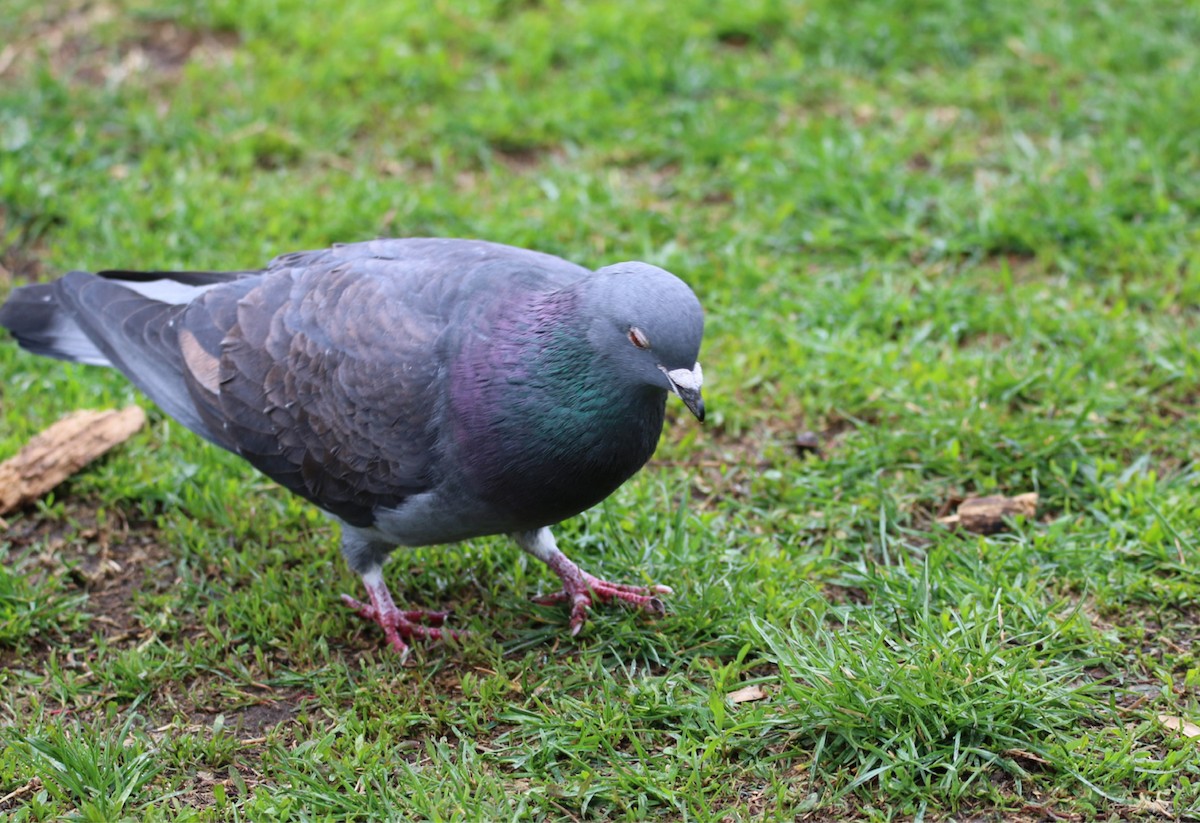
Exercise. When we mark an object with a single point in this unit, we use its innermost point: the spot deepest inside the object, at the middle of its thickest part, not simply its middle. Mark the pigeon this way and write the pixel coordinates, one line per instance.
(420, 391)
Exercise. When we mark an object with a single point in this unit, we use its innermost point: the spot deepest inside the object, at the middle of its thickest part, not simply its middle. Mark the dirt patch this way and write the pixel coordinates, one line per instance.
(519, 156)
(22, 248)
(165, 47)
(1162, 634)
(724, 464)
(17, 797)
(115, 561)
(57, 33)
(96, 44)
(107, 560)
(198, 793)
(254, 720)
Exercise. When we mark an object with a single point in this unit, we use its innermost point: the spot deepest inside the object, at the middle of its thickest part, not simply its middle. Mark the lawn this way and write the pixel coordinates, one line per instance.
(945, 250)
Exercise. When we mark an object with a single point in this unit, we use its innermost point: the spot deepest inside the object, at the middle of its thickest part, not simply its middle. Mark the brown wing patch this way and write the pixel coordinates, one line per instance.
(204, 367)
(327, 383)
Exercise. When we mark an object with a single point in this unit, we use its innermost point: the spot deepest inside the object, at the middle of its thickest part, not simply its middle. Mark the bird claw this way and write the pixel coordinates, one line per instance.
(594, 590)
(427, 617)
(399, 625)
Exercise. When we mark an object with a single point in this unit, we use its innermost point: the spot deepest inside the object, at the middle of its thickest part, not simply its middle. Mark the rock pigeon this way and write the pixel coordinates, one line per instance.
(420, 391)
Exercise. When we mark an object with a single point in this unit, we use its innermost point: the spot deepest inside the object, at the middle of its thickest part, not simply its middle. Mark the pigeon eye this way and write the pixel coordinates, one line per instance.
(638, 338)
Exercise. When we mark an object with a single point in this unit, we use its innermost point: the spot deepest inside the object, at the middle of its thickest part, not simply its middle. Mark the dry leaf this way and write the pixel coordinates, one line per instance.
(747, 693)
(1177, 724)
(987, 515)
(1144, 807)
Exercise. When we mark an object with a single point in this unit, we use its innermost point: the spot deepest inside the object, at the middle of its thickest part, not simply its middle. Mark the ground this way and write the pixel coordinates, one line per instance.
(945, 250)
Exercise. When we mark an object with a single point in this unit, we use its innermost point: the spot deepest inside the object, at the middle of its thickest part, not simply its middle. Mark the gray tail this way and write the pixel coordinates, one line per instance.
(42, 322)
(39, 323)
(119, 319)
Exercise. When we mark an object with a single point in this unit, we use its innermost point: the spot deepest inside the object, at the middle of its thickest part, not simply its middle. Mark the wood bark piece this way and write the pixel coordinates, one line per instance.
(63, 449)
(988, 515)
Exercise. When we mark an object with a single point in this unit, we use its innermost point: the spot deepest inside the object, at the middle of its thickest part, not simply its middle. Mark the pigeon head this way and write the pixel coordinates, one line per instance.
(647, 323)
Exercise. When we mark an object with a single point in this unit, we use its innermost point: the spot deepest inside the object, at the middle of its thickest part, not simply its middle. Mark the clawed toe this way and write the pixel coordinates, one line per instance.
(559, 596)
(583, 590)
(399, 626)
(595, 590)
(426, 617)
(621, 589)
(364, 610)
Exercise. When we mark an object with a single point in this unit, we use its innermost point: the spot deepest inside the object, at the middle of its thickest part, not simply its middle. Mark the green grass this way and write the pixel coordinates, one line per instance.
(960, 242)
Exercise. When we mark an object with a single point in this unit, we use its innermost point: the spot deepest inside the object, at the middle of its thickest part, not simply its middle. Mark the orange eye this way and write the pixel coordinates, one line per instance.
(638, 338)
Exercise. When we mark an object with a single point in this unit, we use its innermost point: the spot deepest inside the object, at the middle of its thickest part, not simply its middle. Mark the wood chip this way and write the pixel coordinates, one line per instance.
(1177, 724)
(747, 693)
(988, 515)
(62, 450)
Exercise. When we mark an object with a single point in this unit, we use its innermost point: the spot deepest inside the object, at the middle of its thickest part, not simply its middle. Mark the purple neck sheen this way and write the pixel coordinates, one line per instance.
(543, 426)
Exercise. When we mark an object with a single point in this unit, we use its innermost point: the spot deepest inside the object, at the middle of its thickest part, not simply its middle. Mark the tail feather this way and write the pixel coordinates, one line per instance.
(137, 335)
(36, 319)
(126, 320)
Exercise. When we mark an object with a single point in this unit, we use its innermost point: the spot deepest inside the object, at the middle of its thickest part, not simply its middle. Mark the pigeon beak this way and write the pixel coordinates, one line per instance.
(686, 383)
(692, 399)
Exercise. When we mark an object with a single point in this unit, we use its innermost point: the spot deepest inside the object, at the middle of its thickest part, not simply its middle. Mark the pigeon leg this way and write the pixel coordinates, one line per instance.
(581, 589)
(397, 625)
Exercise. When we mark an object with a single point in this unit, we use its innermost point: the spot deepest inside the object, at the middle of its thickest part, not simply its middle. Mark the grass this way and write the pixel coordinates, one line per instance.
(958, 243)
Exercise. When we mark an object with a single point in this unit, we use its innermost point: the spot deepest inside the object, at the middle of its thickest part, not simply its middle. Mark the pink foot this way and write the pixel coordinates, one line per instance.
(398, 625)
(584, 590)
